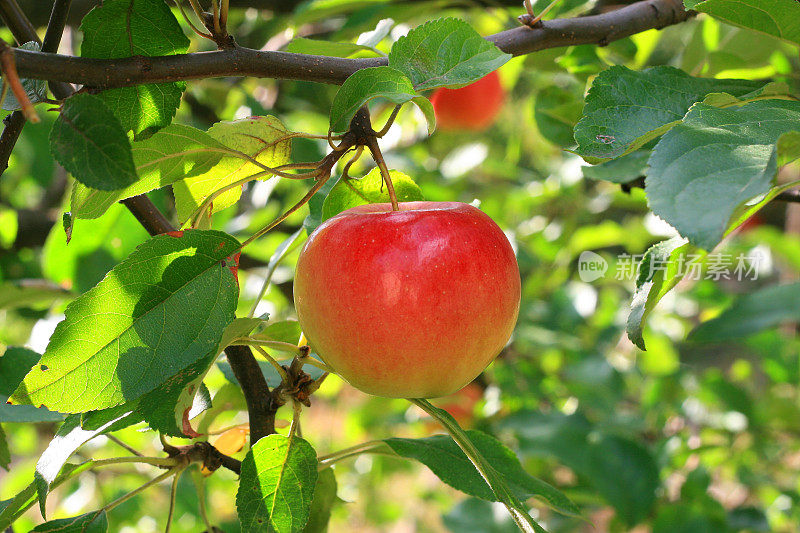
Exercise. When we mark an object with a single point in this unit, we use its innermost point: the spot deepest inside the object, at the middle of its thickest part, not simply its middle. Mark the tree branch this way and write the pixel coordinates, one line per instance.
(106, 73)
(256, 391)
(147, 214)
(22, 30)
(13, 127)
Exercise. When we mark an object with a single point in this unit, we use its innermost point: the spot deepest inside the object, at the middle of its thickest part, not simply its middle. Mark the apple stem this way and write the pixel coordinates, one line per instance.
(372, 144)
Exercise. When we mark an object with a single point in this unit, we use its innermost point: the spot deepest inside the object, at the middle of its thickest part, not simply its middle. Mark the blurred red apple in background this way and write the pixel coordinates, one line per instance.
(471, 108)
(460, 405)
(412, 303)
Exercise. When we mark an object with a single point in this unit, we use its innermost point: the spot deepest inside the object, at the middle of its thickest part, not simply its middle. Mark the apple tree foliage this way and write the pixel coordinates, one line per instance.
(646, 397)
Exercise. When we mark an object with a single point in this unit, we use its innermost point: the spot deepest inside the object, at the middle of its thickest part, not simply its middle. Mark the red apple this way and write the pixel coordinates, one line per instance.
(412, 303)
(471, 108)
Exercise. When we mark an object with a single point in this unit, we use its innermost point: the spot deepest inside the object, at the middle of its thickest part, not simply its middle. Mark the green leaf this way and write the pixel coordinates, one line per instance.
(253, 136)
(239, 328)
(370, 189)
(495, 481)
(445, 52)
(375, 82)
(27, 414)
(315, 206)
(625, 108)
(321, 505)
(167, 409)
(620, 170)
(89, 142)
(283, 331)
(715, 161)
(779, 18)
(659, 272)
(124, 28)
(173, 153)
(69, 437)
(156, 313)
(95, 248)
(93, 522)
(276, 487)
(751, 313)
(14, 364)
(625, 473)
(443, 456)
(556, 110)
(301, 45)
(35, 89)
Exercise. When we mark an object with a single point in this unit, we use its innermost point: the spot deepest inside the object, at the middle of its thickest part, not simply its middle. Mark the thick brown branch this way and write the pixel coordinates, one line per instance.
(13, 127)
(147, 214)
(104, 73)
(24, 32)
(256, 391)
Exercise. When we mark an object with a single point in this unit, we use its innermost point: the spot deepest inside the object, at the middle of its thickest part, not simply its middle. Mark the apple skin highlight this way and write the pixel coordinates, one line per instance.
(408, 304)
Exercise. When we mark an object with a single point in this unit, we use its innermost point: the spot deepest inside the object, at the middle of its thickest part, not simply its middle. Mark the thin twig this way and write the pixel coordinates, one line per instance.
(118, 442)
(173, 493)
(281, 371)
(13, 127)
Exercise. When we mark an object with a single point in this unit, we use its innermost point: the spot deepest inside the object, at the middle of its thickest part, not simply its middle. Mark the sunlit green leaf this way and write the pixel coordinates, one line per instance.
(173, 153)
(375, 82)
(779, 18)
(277, 485)
(445, 52)
(254, 136)
(156, 313)
(370, 189)
(625, 109)
(124, 28)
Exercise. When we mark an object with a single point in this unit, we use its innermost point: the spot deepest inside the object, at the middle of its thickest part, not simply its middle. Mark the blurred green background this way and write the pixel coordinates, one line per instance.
(684, 437)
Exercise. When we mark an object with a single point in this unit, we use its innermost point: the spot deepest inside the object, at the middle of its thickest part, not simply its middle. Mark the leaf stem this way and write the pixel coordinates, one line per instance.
(283, 250)
(173, 493)
(311, 192)
(352, 450)
(372, 144)
(281, 371)
(163, 462)
(280, 346)
(118, 442)
(200, 487)
(142, 488)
